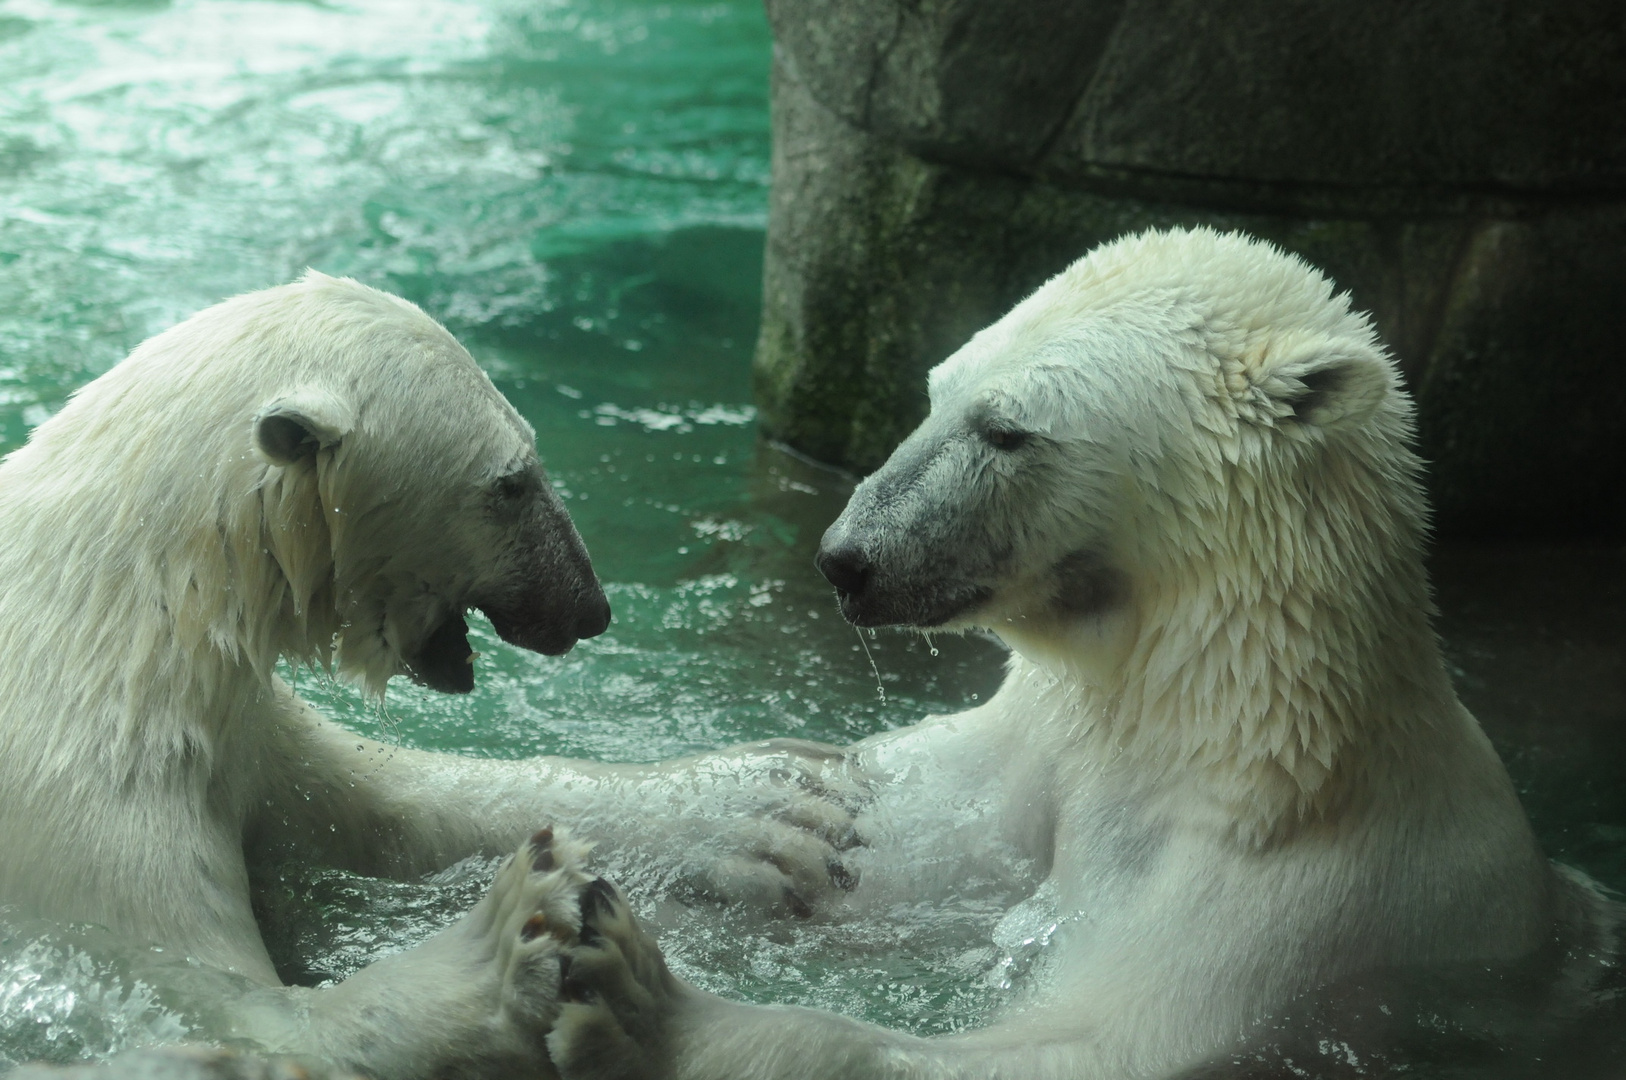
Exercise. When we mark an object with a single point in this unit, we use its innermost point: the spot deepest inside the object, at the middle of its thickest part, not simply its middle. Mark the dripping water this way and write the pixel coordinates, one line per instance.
(880, 690)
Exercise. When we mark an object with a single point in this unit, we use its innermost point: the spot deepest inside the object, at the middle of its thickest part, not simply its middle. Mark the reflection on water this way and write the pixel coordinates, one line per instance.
(578, 188)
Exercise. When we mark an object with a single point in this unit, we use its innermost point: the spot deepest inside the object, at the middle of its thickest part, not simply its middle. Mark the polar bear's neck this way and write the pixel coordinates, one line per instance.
(1273, 659)
(152, 585)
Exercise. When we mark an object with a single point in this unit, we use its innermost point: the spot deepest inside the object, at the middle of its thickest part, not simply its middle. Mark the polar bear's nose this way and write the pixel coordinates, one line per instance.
(846, 567)
(594, 617)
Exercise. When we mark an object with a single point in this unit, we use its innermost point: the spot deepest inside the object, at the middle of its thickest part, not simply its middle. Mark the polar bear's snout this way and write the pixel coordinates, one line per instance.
(884, 595)
(555, 599)
(557, 607)
(906, 551)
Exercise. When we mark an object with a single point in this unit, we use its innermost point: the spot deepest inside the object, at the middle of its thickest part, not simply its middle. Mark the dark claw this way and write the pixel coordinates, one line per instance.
(813, 786)
(577, 991)
(542, 850)
(598, 898)
(843, 878)
(798, 906)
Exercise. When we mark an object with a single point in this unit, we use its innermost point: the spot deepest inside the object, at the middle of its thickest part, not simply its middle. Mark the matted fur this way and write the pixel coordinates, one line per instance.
(1226, 765)
(319, 473)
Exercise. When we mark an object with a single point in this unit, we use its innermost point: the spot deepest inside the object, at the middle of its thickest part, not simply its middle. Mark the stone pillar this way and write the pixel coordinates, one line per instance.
(1458, 165)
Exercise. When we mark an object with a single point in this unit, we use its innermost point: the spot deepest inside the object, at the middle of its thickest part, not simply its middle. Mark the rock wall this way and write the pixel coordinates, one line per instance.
(1458, 165)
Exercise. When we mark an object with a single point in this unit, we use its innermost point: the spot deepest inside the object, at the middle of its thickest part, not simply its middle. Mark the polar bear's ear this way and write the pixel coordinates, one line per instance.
(295, 426)
(1333, 387)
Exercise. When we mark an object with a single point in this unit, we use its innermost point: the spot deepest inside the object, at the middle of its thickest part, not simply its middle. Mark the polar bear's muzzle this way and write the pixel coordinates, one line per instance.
(551, 598)
(445, 660)
(880, 582)
(905, 551)
(544, 625)
(871, 598)
(545, 599)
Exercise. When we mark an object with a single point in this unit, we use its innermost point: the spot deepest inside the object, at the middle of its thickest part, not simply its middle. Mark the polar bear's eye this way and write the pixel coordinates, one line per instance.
(1003, 438)
(513, 485)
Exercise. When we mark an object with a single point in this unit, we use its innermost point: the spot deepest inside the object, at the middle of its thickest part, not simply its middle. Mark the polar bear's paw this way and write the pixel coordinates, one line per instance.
(479, 998)
(518, 930)
(619, 999)
(778, 817)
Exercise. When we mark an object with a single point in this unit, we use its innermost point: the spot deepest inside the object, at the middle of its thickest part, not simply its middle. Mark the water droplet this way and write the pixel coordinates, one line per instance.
(879, 689)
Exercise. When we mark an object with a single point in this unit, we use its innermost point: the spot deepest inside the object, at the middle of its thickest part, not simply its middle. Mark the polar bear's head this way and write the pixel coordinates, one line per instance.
(317, 471)
(401, 490)
(1180, 414)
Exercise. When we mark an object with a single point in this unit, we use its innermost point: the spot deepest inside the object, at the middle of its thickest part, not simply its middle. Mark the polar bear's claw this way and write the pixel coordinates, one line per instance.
(798, 907)
(600, 897)
(616, 992)
(822, 818)
(521, 925)
(542, 850)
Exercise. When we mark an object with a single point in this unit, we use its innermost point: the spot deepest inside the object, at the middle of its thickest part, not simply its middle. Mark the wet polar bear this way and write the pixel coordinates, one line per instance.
(1178, 481)
(319, 472)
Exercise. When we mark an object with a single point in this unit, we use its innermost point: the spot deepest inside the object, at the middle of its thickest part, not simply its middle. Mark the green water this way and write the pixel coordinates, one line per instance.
(578, 188)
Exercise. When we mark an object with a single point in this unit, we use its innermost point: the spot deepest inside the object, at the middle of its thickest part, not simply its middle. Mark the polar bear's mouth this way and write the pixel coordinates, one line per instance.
(445, 662)
(920, 608)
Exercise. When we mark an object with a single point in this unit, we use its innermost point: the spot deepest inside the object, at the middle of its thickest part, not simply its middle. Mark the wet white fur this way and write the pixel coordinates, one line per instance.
(1245, 776)
(155, 564)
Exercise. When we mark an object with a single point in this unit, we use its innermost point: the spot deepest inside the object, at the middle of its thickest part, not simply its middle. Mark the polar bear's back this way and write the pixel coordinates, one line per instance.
(179, 389)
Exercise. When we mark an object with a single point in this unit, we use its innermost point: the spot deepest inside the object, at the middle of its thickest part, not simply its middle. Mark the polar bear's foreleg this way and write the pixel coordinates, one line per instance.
(474, 1001)
(477, 999)
(764, 824)
(626, 1017)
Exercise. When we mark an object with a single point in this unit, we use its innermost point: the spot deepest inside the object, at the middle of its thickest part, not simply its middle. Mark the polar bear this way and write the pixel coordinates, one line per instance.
(319, 472)
(1226, 764)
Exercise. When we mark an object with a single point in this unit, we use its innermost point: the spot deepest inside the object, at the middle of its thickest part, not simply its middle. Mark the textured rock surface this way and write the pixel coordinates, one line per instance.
(1458, 165)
